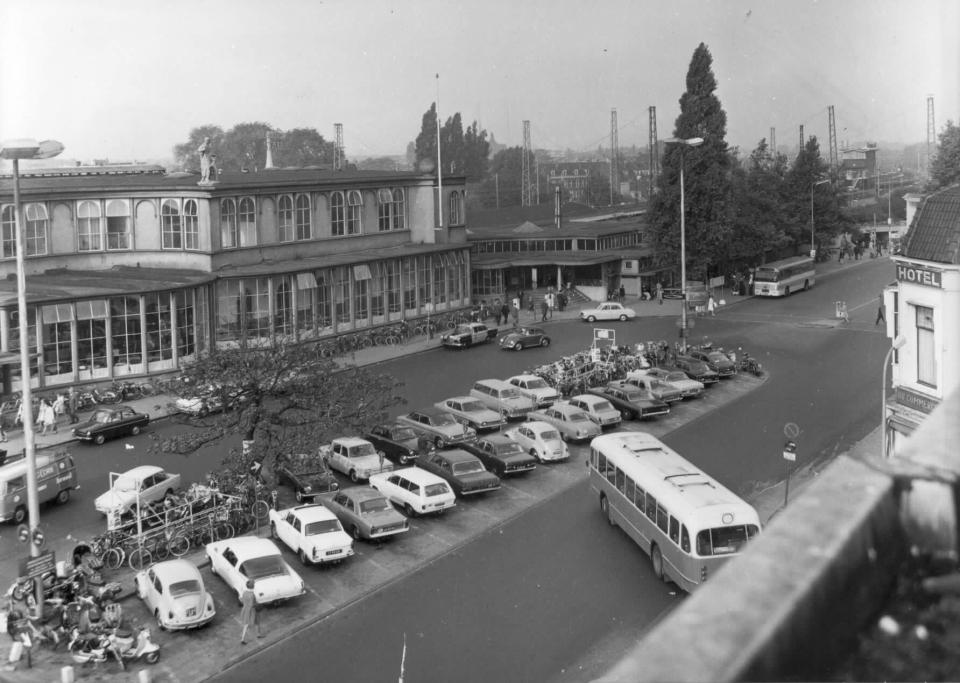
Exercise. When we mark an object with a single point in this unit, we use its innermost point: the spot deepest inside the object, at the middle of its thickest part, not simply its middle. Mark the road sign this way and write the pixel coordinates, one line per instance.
(791, 430)
(31, 567)
(790, 451)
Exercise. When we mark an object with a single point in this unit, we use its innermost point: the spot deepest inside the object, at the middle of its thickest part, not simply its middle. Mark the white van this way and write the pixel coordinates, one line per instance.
(503, 397)
(56, 477)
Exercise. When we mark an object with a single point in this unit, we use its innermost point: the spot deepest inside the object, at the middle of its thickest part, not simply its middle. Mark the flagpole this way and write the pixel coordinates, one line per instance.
(439, 166)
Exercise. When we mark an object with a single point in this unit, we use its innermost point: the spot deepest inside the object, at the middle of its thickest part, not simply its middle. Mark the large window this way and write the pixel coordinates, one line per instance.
(88, 226)
(456, 208)
(399, 209)
(354, 213)
(390, 209)
(247, 222)
(125, 330)
(228, 309)
(229, 236)
(306, 303)
(378, 304)
(361, 291)
(926, 349)
(409, 283)
(256, 307)
(92, 335)
(57, 356)
(191, 225)
(337, 215)
(159, 332)
(171, 225)
(283, 306)
(424, 278)
(440, 278)
(391, 284)
(286, 218)
(8, 232)
(186, 334)
(303, 217)
(341, 294)
(37, 221)
(118, 224)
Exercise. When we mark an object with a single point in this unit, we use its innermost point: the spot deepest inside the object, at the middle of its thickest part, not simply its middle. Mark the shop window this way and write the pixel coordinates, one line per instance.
(125, 330)
(159, 328)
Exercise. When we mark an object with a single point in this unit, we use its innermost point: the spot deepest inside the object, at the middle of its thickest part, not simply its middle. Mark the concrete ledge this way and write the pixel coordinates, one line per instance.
(794, 602)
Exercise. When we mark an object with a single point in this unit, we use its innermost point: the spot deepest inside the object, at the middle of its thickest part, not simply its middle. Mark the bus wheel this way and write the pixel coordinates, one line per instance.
(786, 291)
(63, 496)
(656, 558)
(605, 509)
(19, 514)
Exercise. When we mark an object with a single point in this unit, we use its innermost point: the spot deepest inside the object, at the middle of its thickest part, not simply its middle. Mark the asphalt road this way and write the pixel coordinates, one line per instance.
(555, 593)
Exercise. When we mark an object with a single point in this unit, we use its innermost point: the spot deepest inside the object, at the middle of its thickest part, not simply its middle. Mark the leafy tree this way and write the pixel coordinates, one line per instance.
(805, 182)
(426, 144)
(945, 165)
(245, 147)
(707, 182)
(476, 153)
(301, 147)
(504, 179)
(284, 398)
(462, 153)
(186, 156)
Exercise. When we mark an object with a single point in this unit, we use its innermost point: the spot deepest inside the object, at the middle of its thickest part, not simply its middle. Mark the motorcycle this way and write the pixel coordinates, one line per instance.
(750, 364)
(129, 648)
(87, 648)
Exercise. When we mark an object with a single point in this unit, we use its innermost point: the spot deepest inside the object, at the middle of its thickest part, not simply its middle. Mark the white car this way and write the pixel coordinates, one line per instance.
(355, 457)
(236, 560)
(174, 594)
(415, 490)
(536, 388)
(599, 409)
(609, 310)
(541, 440)
(313, 533)
(572, 422)
(146, 484)
(678, 379)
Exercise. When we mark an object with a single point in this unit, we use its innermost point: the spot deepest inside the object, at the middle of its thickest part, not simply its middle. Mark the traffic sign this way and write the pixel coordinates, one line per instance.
(791, 430)
(790, 451)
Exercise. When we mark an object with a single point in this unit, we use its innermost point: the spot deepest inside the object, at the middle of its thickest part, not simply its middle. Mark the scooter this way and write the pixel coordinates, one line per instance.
(128, 648)
(87, 648)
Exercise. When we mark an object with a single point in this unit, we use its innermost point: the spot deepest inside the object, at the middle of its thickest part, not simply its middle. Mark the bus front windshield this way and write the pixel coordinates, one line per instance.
(766, 275)
(726, 540)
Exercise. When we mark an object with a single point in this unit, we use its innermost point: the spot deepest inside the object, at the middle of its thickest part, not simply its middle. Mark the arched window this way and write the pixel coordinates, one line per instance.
(228, 224)
(337, 223)
(191, 225)
(170, 225)
(35, 227)
(399, 209)
(8, 232)
(384, 209)
(248, 222)
(286, 218)
(354, 213)
(88, 227)
(303, 217)
(118, 224)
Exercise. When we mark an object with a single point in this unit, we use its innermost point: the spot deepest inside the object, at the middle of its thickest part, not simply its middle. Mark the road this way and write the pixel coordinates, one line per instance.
(555, 593)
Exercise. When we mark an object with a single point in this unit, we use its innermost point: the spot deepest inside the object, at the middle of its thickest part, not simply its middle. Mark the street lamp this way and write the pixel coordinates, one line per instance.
(15, 150)
(813, 246)
(684, 142)
(896, 344)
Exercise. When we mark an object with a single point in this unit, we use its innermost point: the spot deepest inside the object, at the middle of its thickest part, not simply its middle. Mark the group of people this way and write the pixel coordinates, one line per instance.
(508, 311)
(47, 413)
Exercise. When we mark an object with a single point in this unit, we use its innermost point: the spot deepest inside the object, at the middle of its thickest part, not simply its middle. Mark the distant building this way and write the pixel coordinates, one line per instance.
(858, 167)
(573, 177)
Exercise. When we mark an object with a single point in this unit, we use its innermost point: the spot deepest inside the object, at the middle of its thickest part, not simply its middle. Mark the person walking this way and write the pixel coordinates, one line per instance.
(660, 292)
(45, 416)
(72, 401)
(550, 300)
(249, 612)
(881, 317)
(543, 310)
(515, 314)
(505, 312)
(711, 305)
(622, 293)
(59, 405)
(844, 315)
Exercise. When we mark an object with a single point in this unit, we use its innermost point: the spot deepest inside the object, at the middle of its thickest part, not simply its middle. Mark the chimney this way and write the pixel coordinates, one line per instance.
(556, 206)
(269, 163)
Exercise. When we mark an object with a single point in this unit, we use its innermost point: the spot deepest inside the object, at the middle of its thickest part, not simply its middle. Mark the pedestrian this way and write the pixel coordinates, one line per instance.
(59, 405)
(3, 431)
(843, 312)
(516, 302)
(880, 314)
(249, 612)
(505, 312)
(515, 314)
(551, 303)
(660, 292)
(520, 300)
(561, 301)
(711, 305)
(543, 310)
(72, 406)
(45, 417)
(623, 293)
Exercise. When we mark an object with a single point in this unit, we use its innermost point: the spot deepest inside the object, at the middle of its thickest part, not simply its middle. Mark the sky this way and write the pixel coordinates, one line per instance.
(127, 80)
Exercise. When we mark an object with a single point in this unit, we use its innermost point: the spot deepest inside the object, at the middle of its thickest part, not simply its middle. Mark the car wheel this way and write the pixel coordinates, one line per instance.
(303, 557)
(591, 318)
(19, 515)
(545, 342)
(405, 459)
(518, 346)
(63, 496)
(623, 318)
(135, 430)
(438, 442)
(535, 454)
(408, 510)
(354, 477)
(656, 559)
(627, 414)
(99, 439)
(355, 531)
(152, 657)
(565, 438)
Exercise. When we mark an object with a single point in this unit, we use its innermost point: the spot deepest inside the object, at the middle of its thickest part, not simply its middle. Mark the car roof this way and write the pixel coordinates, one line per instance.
(461, 398)
(430, 410)
(360, 493)
(525, 376)
(455, 455)
(414, 474)
(565, 407)
(312, 513)
(588, 398)
(142, 471)
(350, 441)
(249, 546)
(176, 570)
(538, 425)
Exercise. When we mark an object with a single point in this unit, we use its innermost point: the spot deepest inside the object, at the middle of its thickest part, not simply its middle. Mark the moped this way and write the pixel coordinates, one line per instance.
(129, 648)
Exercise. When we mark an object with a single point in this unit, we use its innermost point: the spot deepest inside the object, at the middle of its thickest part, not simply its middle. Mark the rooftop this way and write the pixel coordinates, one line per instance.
(934, 234)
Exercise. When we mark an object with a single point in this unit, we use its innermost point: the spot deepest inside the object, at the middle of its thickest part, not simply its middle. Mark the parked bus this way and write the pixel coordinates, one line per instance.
(780, 278)
(685, 520)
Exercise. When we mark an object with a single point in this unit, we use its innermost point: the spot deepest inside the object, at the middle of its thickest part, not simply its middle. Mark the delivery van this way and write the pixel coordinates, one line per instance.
(56, 477)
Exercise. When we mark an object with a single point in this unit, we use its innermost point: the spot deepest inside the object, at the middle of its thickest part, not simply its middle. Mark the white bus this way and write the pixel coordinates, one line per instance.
(685, 520)
(782, 277)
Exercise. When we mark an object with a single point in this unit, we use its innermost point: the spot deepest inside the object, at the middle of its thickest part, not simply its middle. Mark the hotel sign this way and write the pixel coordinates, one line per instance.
(911, 399)
(919, 276)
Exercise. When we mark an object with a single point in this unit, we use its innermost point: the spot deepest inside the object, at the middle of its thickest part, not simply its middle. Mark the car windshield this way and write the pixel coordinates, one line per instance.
(361, 450)
(509, 449)
(404, 434)
(472, 406)
(102, 416)
(181, 588)
(634, 396)
(599, 406)
(676, 377)
(324, 526)
(435, 490)
(125, 484)
(510, 393)
(716, 355)
(374, 505)
(550, 435)
(577, 417)
(263, 567)
(537, 384)
(467, 467)
(443, 419)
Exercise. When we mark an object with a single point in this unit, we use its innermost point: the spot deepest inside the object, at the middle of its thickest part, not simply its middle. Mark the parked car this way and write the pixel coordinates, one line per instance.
(503, 397)
(573, 423)
(354, 457)
(313, 532)
(471, 412)
(697, 369)
(524, 338)
(468, 334)
(630, 401)
(307, 474)
(535, 387)
(415, 490)
(654, 387)
(143, 484)
(173, 592)
(541, 440)
(437, 427)
(396, 442)
(688, 388)
(501, 455)
(599, 409)
(111, 422)
(463, 471)
(716, 361)
(237, 560)
(608, 310)
(366, 513)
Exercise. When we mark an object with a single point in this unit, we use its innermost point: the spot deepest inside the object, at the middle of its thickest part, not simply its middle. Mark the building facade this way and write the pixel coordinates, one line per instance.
(923, 306)
(132, 272)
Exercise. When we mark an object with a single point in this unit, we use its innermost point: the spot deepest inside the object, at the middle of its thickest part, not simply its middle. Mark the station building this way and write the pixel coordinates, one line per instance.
(132, 271)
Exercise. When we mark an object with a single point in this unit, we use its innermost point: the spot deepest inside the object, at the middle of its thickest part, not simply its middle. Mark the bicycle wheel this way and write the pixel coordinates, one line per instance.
(260, 511)
(392, 340)
(224, 530)
(113, 558)
(179, 545)
(139, 558)
(160, 550)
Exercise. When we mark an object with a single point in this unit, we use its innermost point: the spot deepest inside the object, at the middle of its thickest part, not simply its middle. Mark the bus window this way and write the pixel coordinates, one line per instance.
(628, 491)
(611, 473)
(684, 539)
(675, 530)
(599, 461)
(652, 508)
(638, 498)
(621, 481)
(16, 483)
(662, 517)
(724, 540)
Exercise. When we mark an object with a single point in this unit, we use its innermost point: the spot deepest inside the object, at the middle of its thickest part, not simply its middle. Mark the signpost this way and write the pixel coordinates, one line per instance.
(790, 430)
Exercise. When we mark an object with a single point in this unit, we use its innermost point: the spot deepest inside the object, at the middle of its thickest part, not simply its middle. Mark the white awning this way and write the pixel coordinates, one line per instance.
(58, 313)
(95, 309)
(362, 272)
(306, 281)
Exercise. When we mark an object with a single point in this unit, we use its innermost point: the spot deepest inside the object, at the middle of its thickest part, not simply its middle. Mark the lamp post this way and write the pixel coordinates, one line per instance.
(15, 150)
(896, 344)
(813, 246)
(688, 142)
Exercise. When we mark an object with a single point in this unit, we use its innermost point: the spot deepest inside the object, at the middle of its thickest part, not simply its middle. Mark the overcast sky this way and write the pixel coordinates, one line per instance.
(129, 79)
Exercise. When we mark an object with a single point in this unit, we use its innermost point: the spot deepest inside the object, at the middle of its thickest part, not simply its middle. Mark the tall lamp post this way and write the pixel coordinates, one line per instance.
(15, 150)
(896, 344)
(684, 142)
(813, 246)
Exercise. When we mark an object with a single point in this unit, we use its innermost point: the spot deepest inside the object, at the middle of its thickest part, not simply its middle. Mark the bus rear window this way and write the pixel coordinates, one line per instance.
(726, 540)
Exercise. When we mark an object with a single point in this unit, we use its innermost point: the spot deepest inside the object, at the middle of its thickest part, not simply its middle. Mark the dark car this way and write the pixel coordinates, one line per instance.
(468, 334)
(109, 423)
(524, 338)
(307, 474)
(366, 513)
(501, 455)
(396, 442)
(697, 369)
(463, 471)
(716, 361)
(631, 401)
